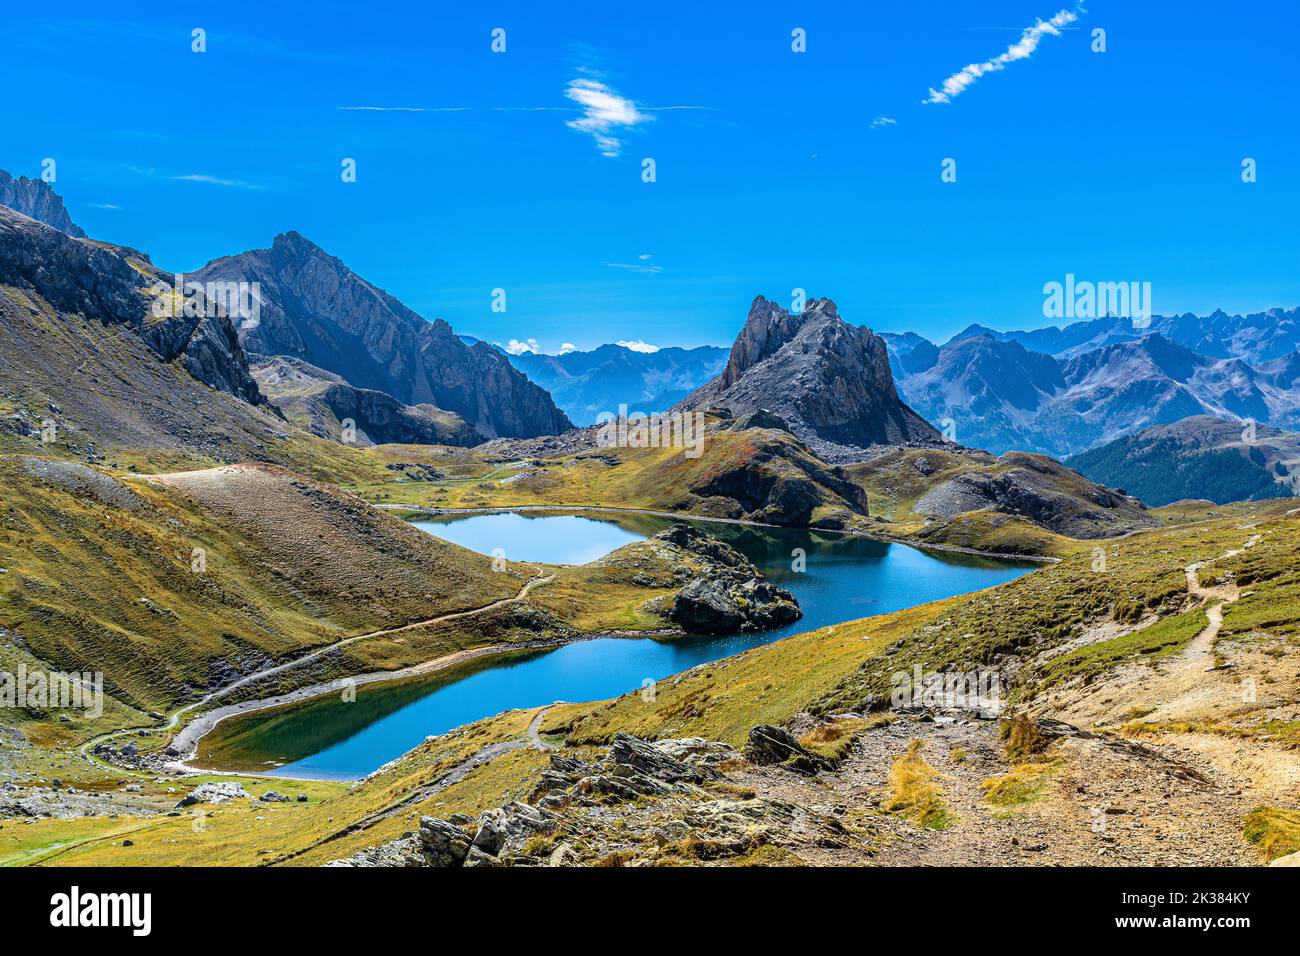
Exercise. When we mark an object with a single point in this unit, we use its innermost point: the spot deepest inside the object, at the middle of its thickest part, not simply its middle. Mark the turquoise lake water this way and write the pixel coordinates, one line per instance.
(846, 577)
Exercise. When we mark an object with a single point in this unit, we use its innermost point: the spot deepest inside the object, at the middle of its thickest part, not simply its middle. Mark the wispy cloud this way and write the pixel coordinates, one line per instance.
(604, 113)
(645, 265)
(636, 345)
(880, 121)
(1022, 49)
(104, 205)
(406, 109)
(217, 181)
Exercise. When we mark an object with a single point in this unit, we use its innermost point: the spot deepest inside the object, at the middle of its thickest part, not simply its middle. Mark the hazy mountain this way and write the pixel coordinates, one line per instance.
(1254, 338)
(1001, 395)
(314, 308)
(1200, 457)
(830, 381)
(584, 384)
(37, 200)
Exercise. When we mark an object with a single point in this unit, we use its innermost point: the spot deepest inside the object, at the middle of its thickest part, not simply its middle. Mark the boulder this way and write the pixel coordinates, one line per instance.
(769, 745)
(214, 793)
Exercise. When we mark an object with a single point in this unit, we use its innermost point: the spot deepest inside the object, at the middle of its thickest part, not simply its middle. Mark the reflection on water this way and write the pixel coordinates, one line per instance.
(845, 577)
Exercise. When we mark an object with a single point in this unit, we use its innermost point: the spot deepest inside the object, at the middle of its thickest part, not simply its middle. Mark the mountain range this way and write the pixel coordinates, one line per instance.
(1000, 393)
(584, 384)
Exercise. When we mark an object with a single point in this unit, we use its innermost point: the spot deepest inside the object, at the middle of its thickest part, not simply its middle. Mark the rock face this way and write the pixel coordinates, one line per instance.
(830, 381)
(319, 401)
(114, 286)
(730, 596)
(314, 308)
(1045, 492)
(37, 200)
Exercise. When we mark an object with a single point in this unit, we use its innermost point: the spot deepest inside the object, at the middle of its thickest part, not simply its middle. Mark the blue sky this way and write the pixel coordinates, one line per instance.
(522, 170)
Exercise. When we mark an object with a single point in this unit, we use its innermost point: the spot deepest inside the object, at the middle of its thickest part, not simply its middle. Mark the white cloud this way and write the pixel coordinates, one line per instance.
(105, 205)
(645, 265)
(880, 121)
(604, 112)
(636, 345)
(406, 109)
(1022, 49)
(516, 347)
(217, 181)
(639, 267)
(568, 347)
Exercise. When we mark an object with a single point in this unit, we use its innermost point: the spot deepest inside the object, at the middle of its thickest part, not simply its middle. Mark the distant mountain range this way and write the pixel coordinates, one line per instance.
(1104, 379)
(584, 384)
(1200, 458)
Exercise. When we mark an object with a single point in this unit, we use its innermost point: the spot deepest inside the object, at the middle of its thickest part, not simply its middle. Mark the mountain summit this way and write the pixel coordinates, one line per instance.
(35, 199)
(314, 308)
(829, 380)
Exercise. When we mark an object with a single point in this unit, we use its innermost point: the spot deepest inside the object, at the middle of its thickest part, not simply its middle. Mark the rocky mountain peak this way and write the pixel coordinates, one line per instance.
(830, 380)
(37, 200)
(314, 308)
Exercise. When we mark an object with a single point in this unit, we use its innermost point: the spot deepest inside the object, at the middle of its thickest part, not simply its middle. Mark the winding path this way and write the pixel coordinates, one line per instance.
(537, 579)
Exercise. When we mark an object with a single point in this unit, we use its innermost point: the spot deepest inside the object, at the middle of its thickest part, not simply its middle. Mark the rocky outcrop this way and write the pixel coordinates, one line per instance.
(730, 594)
(829, 380)
(218, 792)
(1043, 491)
(319, 401)
(114, 286)
(642, 803)
(768, 745)
(314, 308)
(780, 482)
(37, 200)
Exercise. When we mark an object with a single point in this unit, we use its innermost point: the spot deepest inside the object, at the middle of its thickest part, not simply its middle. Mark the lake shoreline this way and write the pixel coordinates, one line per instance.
(688, 516)
(189, 738)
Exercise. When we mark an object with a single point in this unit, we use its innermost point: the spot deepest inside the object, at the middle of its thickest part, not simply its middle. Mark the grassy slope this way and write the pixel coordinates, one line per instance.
(290, 566)
(827, 670)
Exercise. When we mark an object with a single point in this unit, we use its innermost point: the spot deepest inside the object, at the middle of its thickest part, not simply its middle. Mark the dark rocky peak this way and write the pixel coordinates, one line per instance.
(830, 381)
(314, 308)
(37, 200)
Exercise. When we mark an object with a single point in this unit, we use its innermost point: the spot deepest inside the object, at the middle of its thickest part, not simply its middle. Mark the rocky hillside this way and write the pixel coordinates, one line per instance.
(584, 384)
(81, 347)
(830, 381)
(1200, 457)
(1015, 503)
(319, 402)
(37, 200)
(316, 309)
